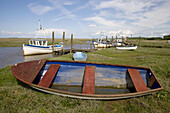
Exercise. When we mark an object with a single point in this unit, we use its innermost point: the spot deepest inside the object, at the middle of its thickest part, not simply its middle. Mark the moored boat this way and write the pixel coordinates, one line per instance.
(79, 56)
(87, 80)
(100, 43)
(39, 46)
(127, 47)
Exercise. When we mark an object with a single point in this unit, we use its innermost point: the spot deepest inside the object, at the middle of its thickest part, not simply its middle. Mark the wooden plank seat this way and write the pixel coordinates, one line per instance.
(89, 80)
(151, 81)
(49, 75)
(137, 80)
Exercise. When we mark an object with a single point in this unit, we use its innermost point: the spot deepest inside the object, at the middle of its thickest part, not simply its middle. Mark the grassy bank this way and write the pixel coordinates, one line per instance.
(151, 43)
(18, 97)
(18, 42)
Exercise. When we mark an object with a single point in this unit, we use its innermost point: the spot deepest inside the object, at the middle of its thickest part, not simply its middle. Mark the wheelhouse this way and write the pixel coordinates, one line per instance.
(38, 42)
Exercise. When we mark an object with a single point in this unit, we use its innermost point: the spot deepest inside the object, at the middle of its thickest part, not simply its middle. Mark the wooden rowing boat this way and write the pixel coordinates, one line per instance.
(87, 80)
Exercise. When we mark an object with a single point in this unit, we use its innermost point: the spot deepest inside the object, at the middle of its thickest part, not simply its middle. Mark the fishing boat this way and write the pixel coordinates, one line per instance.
(39, 46)
(87, 80)
(79, 56)
(100, 43)
(127, 47)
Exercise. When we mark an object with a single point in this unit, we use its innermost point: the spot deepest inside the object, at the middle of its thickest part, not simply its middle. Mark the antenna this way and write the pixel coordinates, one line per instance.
(40, 28)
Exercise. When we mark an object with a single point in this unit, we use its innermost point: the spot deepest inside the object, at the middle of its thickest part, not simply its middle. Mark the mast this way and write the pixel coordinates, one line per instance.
(40, 28)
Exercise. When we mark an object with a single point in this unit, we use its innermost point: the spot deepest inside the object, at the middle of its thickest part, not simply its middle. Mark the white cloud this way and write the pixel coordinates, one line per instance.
(68, 3)
(46, 33)
(120, 33)
(141, 17)
(156, 17)
(92, 25)
(59, 5)
(50, 30)
(103, 21)
(10, 33)
(39, 9)
(127, 6)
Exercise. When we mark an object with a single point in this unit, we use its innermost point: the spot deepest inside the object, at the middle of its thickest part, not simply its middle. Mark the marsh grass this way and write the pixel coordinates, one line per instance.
(152, 43)
(18, 97)
(18, 42)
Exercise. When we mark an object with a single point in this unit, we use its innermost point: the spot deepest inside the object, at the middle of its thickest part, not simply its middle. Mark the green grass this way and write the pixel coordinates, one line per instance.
(18, 42)
(153, 43)
(18, 97)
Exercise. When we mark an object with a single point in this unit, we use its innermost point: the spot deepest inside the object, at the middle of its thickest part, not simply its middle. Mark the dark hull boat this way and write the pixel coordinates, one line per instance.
(87, 80)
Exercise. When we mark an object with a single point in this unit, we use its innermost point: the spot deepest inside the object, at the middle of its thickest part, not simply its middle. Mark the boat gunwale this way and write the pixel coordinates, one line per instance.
(95, 96)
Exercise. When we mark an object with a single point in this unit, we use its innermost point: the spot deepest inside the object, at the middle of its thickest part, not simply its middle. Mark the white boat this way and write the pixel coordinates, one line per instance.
(100, 42)
(117, 44)
(39, 46)
(79, 56)
(127, 47)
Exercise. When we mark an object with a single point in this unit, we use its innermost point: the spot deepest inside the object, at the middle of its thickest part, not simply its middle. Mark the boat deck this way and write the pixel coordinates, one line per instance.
(27, 75)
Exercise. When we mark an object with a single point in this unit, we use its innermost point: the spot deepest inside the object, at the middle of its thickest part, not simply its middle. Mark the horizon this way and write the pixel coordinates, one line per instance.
(147, 18)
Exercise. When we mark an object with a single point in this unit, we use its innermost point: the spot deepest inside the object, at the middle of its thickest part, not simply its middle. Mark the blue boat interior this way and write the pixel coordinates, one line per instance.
(109, 79)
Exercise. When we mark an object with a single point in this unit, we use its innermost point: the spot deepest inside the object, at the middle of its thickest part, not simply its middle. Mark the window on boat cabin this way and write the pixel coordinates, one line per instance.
(38, 43)
(45, 43)
(31, 42)
(41, 43)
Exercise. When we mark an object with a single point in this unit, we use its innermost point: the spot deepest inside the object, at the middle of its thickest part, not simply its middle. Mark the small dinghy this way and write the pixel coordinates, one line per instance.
(87, 80)
(79, 56)
(127, 47)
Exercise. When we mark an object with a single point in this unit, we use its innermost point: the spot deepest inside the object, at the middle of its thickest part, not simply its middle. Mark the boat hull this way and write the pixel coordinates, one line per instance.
(127, 48)
(72, 69)
(101, 45)
(33, 50)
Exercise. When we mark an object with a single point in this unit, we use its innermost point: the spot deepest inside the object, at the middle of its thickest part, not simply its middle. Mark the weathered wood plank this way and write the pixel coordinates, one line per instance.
(89, 80)
(151, 81)
(49, 75)
(137, 80)
(28, 71)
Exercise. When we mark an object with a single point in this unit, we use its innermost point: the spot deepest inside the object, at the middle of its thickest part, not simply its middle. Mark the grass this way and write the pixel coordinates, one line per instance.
(18, 42)
(152, 43)
(18, 97)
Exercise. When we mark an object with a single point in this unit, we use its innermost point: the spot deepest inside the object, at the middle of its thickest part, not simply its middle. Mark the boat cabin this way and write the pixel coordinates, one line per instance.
(100, 40)
(38, 42)
(118, 40)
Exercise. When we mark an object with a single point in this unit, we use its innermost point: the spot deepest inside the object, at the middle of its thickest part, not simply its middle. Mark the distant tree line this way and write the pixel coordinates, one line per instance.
(167, 37)
(146, 38)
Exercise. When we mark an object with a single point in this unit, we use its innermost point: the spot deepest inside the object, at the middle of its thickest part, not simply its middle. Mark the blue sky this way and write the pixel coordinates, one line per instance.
(85, 18)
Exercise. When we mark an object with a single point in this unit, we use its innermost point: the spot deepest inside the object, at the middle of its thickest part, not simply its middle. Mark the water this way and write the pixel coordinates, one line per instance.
(13, 55)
